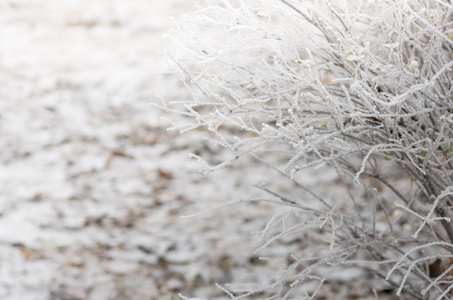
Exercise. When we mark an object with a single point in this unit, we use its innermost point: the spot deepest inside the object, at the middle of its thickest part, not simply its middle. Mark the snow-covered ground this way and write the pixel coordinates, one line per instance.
(92, 186)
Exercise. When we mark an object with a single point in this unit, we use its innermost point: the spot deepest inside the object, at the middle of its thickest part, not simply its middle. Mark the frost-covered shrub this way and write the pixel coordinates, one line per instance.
(363, 88)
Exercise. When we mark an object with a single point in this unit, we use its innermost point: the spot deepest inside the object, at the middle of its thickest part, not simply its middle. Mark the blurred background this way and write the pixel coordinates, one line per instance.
(92, 186)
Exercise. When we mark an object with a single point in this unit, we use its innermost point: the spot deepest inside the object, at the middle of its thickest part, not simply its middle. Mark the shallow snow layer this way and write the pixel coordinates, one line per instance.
(92, 186)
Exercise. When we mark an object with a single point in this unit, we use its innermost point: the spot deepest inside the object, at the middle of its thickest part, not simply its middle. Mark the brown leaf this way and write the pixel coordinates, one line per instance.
(28, 253)
(165, 174)
(441, 265)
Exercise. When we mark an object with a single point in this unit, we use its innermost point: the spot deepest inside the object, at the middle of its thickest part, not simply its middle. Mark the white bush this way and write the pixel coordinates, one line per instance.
(362, 87)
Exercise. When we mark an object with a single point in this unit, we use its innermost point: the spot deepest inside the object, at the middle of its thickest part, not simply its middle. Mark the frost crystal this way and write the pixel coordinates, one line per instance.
(413, 66)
